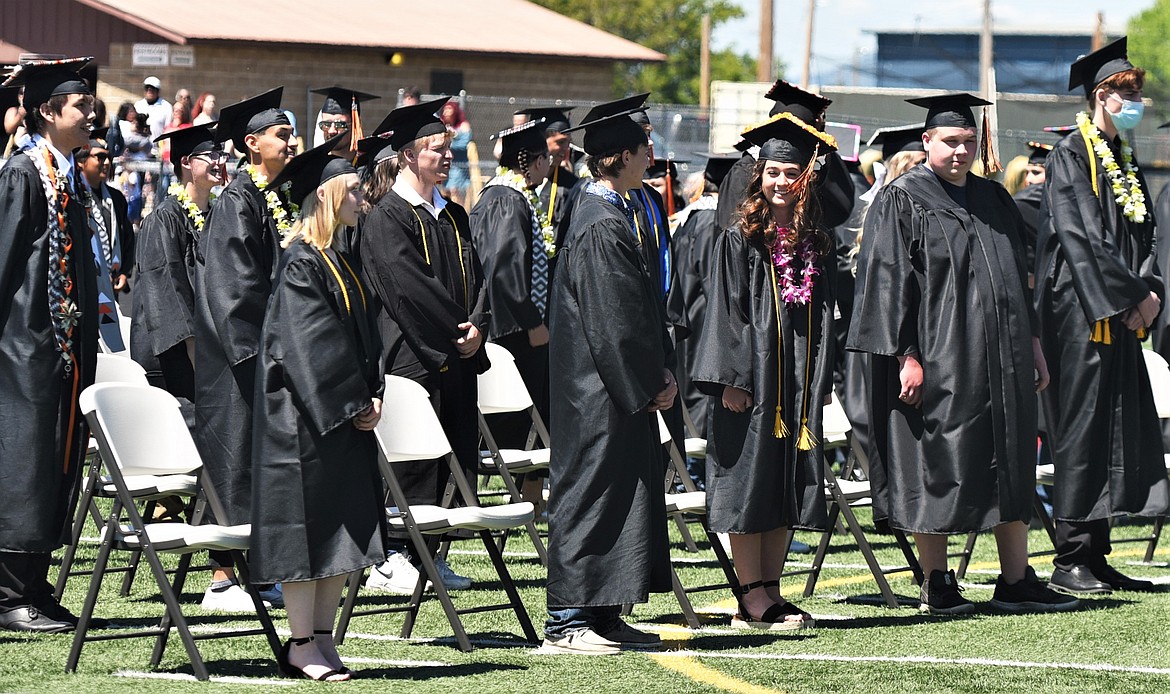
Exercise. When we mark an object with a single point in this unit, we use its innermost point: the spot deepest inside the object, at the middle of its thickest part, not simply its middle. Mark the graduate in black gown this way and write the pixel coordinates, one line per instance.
(694, 246)
(162, 334)
(341, 118)
(943, 310)
(1028, 199)
(418, 258)
(1098, 290)
(48, 340)
(234, 269)
(766, 355)
(558, 192)
(515, 247)
(608, 544)
(115, 237)
(317, 512)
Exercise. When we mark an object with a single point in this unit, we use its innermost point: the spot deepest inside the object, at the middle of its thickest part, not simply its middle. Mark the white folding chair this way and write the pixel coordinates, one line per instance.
(501, 391)
(409, 430)
(141, 432)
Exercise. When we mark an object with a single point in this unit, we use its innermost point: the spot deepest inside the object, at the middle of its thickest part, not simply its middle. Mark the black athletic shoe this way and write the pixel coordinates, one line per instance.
(1030, 595)
(941, 594)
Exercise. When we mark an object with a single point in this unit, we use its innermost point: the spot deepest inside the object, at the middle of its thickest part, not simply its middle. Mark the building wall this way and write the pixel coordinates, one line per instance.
(75, 29)
(234, 71)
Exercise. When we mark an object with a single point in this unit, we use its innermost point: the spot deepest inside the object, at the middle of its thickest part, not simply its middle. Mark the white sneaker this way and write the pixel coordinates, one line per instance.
(395, 575)
(451, 580)
(234, 599)
(274, 595)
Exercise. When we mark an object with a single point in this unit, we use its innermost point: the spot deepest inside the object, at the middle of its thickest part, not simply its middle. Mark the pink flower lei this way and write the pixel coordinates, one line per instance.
(783, 255)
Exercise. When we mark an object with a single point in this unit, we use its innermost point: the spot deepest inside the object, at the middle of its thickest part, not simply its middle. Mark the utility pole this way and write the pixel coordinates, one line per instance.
(808, 37)
(985, 54)
(705, 62)
(1099, 31)
(764, 66)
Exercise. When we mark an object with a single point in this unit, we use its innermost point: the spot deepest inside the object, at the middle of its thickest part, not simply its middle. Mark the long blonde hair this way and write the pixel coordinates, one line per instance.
(319, 221)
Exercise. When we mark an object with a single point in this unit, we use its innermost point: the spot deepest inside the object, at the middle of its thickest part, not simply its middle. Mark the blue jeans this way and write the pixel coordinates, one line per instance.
(601, 619)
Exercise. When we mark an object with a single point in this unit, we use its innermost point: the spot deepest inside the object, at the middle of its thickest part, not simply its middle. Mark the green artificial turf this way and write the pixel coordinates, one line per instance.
(1124, 630)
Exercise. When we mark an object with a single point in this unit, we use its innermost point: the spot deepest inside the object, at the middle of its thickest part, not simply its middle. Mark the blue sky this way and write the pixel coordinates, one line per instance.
(840, 25)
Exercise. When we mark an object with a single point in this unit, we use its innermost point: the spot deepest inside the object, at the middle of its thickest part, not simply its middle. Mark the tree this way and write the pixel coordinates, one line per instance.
(671, 27)
(1147, 49)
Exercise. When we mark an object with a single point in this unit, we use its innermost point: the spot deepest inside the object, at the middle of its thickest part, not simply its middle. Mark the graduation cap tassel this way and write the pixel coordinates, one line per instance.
(987, 149)
(669, 191)
(355, 128)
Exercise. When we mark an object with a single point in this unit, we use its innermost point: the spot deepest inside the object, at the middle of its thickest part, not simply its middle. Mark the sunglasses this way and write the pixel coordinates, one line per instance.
(339, 126)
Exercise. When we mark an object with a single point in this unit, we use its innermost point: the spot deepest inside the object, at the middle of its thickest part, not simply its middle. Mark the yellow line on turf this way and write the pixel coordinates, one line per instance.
(692, 669)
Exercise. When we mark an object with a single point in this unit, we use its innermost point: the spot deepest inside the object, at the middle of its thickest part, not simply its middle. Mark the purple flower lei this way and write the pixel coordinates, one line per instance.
(783, 256)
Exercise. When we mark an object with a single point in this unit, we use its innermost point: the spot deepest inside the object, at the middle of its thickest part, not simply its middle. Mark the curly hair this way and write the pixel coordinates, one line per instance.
(754, 215)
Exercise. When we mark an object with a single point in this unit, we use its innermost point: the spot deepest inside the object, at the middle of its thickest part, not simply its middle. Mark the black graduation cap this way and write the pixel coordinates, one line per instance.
(375, 149)
(556, 118)
(900, 138)
(801, 103)
(526, 136)
(718, 165)
(97, 138)
(789, 140)
(409, 123)
(342, 100)
(743, 145)
(250, 116)
(9, 98)
(949, 110)
(44, 79)
(311, 169)
(609, 128)
(1090, 70)
(1039, 152)
(658, 168)
(197, 139)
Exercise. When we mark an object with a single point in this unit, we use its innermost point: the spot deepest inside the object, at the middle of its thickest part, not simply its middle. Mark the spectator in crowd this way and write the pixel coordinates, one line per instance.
(205, 109)
(156, 109)
(411, 96)
(459, 181)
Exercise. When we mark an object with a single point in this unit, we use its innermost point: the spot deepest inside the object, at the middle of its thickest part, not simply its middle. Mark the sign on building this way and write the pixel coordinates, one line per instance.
(150, 55)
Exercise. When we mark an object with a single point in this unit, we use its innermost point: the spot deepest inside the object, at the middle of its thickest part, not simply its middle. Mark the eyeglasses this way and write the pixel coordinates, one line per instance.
(338, 125)
(212, 157)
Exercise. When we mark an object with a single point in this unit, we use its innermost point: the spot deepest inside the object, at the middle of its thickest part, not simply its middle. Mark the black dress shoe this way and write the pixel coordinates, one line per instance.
(1119, 581)
(1078, 580)
(31, 619)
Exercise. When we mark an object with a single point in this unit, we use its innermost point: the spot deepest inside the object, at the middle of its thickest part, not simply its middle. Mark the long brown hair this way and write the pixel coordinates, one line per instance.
(754, 215)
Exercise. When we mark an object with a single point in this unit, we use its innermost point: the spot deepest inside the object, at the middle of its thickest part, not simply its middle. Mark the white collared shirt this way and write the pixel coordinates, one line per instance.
(409, 194)
(64, 163)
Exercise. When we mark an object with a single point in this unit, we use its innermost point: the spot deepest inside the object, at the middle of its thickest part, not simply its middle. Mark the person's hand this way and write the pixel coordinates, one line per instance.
(1148, 309)
(910, 375)
(736, 399)
(119, 283)
(368, 418)
(665, 398)
(468, 345)
(1132, 319)
(1041, 365)
(538, 336)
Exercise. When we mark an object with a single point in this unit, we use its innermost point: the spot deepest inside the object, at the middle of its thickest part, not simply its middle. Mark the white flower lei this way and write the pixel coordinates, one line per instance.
(284, 218)
(179, 192)
(1133, 201)
(513, 180)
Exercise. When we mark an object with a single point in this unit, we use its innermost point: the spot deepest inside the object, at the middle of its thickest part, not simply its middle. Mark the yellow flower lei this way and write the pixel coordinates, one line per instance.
(515, 181)
(284, 218)
(179, 192)
(1132, 201)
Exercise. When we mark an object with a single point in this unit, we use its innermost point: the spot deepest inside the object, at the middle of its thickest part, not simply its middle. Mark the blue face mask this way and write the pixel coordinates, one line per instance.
(1130, 114)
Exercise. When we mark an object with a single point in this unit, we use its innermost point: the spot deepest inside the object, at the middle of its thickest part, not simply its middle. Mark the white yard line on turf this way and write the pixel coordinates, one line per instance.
(191, 678)
(982, 662)
(402, 663)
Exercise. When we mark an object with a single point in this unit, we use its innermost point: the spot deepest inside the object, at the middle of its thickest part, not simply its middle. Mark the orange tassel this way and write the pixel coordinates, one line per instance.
(355, 127)
(987, 149)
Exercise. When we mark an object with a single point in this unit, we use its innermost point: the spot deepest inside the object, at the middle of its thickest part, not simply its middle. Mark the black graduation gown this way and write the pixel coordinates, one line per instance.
(164, 296)
(693, 244)
(948, 284)
(850, 368)
(1028, 202)
(235, 266)
(428, 280)
(608, 543)
(501, 226)
(755, 481)
(43, 435)
(1091, 265)
(317, 494)
(732, 190)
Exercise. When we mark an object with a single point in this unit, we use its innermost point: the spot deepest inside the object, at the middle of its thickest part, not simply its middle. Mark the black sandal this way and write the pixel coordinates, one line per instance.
(287, 669)
(325, 632)
(773, 618)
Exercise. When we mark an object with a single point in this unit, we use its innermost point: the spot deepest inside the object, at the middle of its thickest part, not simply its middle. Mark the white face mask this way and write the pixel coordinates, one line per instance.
(1130, 114)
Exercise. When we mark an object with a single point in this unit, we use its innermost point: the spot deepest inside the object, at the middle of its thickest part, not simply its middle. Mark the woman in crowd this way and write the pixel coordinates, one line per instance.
(459, 181)
(765, 352)
(205, 110)
(317, 511)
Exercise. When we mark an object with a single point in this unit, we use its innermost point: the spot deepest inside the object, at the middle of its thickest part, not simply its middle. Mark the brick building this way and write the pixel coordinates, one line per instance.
(507, 48)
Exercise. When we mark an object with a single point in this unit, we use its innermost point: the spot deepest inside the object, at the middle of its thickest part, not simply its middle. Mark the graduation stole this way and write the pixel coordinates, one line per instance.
(1131, 202)
(806, 441)
(422, 230)
(341, 283)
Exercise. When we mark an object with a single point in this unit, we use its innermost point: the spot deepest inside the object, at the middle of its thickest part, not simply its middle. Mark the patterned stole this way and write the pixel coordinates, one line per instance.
(103, 255)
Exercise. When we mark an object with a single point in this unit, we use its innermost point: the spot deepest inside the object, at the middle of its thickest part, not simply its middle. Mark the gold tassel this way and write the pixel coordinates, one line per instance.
(1095, 335)
(807, 441)
(781, 429)
(1108, 332)
(1141, 333)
